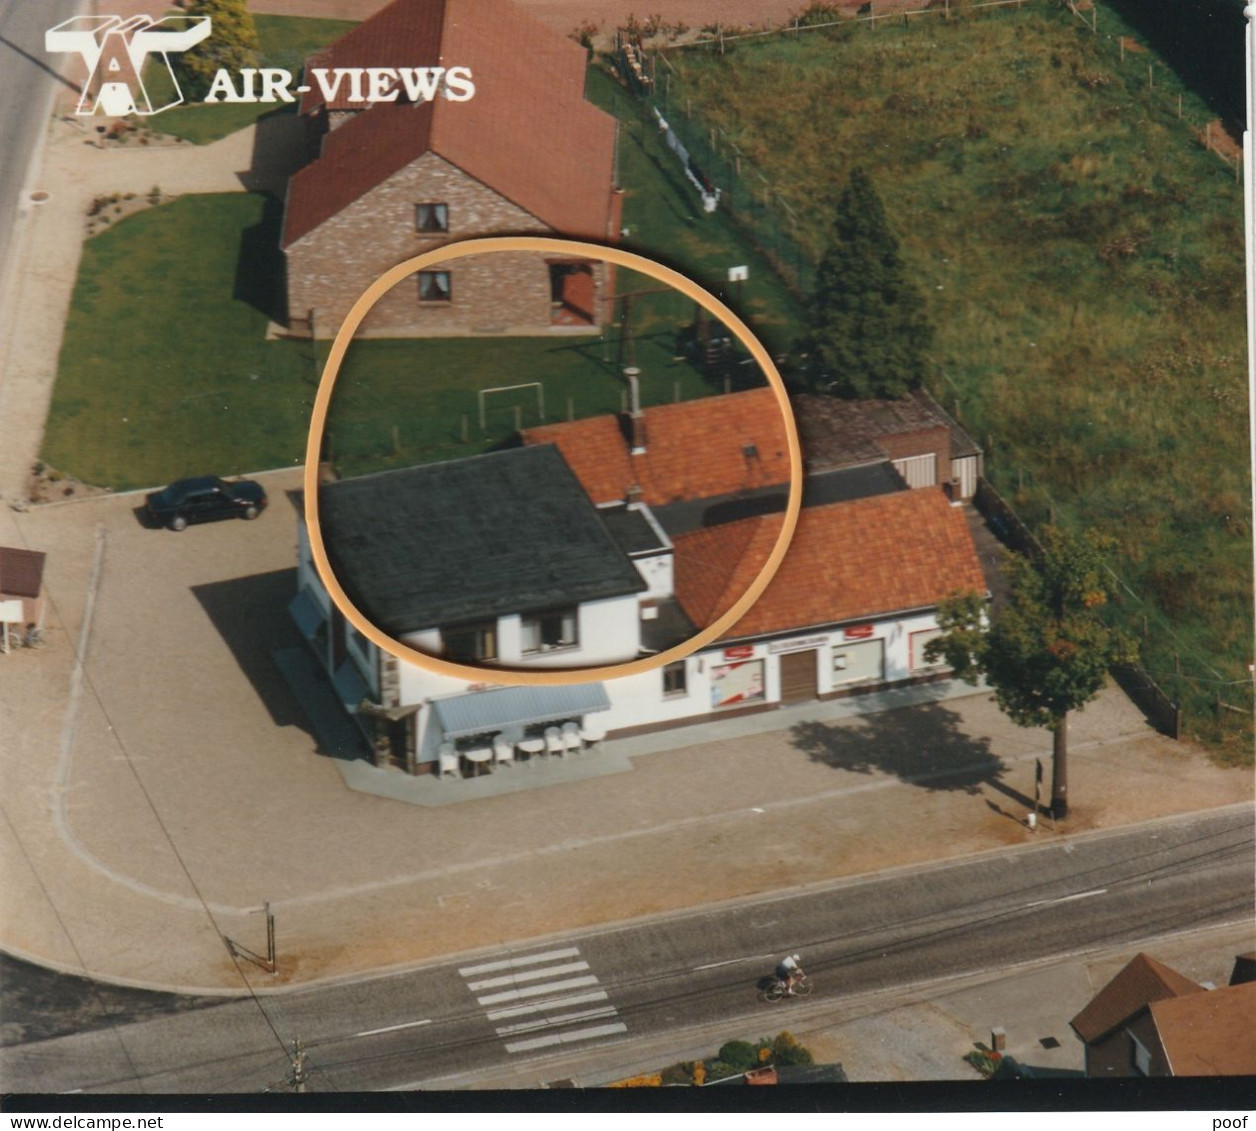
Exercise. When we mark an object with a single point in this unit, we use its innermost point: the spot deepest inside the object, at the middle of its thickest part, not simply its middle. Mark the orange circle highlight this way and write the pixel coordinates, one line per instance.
(515, 676)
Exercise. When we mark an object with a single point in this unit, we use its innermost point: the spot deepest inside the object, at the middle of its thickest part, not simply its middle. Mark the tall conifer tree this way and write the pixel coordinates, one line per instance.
(867, 330)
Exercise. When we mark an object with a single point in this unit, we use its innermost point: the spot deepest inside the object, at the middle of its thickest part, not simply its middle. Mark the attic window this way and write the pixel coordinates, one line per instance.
(434, 286)
(431, 218)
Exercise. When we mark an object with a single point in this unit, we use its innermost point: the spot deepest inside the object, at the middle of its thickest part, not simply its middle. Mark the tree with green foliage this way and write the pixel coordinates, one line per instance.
(1047, 651)
(232, 45)
(867, 330)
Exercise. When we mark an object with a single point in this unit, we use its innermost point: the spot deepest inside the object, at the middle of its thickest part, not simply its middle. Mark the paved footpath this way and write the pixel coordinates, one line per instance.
(157, 793)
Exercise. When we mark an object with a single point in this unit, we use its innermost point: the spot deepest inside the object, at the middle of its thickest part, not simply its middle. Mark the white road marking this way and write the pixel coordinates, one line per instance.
(393, 1028)
(566, 1038)
(733, 962)
(542, 1006)
(556, 1019)
(528, 976)
(536, 991)
(512, 963)
(1067, 898)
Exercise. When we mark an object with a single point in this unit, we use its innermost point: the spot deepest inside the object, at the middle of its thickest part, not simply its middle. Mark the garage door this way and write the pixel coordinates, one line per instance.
(798, 676)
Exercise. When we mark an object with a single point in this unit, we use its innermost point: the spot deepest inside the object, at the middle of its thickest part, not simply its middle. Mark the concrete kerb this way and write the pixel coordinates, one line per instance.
(110, 493)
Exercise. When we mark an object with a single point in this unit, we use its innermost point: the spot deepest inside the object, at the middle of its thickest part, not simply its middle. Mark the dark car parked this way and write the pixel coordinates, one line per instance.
(203, 500)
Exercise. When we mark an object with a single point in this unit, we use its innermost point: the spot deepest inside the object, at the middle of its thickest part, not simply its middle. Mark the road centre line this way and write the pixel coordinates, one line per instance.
(733, 962)
(557, 1019)
(567, 1038)
(511, 963)
(534, 991)
(542, 1006)
(528, 976)
(393, 1028)
(1068, 898)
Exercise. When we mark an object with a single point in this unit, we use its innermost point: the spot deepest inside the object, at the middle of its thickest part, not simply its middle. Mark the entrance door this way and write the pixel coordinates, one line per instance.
(798, 676)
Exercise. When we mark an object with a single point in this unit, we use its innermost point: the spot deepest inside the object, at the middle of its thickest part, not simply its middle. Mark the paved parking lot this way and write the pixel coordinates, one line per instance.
(158, 796)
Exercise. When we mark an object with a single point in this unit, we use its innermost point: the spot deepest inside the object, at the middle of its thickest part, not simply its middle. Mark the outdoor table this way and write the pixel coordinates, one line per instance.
(479, 756)
(532, 746)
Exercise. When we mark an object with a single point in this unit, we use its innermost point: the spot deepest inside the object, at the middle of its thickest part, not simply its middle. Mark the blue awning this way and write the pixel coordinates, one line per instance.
(482, 712)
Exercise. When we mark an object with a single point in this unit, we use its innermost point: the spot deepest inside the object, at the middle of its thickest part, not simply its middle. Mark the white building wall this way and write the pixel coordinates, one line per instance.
(657, 573)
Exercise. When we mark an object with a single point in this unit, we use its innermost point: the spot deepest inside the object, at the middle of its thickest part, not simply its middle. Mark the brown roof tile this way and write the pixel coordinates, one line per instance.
(528, 132)
(847, 561)
(842, 433)
(694, 449)
(21, 572)
(1209, 1034)
(1140, 982)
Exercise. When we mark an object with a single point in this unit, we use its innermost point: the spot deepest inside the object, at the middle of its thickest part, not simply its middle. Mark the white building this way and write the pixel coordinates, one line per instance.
(506, 558)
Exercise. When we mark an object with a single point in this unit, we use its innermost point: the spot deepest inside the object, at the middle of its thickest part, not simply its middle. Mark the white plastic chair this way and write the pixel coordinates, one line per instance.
(449, 760)
(554, 743)
(571, 736)
(503, 751)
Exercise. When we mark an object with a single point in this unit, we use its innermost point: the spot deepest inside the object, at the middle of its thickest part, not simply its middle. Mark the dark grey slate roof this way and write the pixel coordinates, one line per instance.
(631, 530)
(507, 532)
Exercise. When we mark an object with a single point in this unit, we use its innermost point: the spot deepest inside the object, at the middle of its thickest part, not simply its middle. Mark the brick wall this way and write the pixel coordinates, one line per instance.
(926, 441)
(330, 267)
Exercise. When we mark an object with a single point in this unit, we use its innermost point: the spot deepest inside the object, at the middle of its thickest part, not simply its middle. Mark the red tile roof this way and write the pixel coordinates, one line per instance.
(527, 133)
(847, 561)
(21, 572)
(1140, 982)
(1209, 1034)
(694, 449)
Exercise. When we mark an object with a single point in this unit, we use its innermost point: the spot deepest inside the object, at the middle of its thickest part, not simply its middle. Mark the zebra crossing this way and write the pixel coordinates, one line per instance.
(552, 995)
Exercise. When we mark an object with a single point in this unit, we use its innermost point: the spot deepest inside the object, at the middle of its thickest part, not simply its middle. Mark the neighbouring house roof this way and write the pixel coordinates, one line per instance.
(527, 133)
(1211, 1033)
(507, 532)
(847, 561)
(21, 572)
(1140, 982)
(721, 445)
(844, 433)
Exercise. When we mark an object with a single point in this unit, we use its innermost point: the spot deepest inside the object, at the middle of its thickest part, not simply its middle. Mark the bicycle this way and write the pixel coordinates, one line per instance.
(776, 991)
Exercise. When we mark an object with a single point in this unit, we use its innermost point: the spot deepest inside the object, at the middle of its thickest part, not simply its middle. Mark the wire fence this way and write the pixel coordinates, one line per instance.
(720, 169)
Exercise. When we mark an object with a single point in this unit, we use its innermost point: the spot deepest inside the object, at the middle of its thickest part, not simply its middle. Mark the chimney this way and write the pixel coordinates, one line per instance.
(636, 418)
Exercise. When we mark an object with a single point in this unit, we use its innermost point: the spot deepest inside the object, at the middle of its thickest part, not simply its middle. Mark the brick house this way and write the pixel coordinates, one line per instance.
(525, 155)
(1152, 1021)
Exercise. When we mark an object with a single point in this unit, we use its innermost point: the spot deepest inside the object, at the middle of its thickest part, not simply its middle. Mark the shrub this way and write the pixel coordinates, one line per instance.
(739, 1055)
(787, 1050)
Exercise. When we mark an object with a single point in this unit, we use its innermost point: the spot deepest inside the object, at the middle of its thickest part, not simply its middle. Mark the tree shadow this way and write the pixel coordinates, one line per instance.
(924, 746)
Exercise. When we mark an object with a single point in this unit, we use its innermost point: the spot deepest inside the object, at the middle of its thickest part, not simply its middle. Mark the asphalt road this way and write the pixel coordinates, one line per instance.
(543, 1003)
(27, 75)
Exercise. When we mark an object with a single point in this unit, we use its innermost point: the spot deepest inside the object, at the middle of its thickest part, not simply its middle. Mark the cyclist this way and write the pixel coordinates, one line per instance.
(789, 972)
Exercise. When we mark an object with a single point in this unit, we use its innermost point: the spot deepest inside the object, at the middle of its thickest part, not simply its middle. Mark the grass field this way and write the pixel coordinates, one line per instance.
(284, 42)
(1082, 259)
(165, 370)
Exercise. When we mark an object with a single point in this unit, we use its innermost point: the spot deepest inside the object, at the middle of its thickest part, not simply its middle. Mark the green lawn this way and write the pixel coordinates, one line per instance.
(165, 371)
(285, 42)
(1082, 259)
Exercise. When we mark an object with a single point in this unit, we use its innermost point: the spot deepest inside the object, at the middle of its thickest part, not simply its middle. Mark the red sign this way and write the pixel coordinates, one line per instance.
(858, 632)
(741, 652)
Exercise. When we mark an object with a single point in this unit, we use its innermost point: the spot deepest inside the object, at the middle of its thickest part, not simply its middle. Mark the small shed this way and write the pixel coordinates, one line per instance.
(21, 594)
